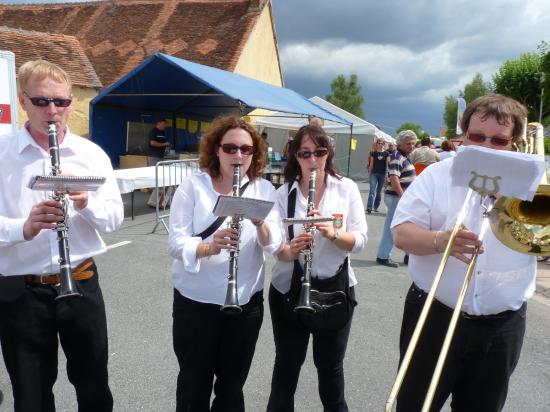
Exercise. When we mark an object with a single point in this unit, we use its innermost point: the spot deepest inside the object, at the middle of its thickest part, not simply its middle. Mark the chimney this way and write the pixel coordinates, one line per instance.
(257, 5)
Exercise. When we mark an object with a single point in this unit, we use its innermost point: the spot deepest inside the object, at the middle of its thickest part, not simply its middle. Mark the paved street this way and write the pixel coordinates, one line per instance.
(136, 283)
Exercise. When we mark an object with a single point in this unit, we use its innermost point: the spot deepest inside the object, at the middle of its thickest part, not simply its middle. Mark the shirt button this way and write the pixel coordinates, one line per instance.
(475, 296)
(479, 272)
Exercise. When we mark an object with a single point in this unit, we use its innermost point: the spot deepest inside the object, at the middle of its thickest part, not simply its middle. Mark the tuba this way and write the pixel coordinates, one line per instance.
(231, 304)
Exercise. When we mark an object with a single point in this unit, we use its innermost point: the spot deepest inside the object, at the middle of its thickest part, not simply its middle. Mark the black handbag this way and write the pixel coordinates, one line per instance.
(330, 297)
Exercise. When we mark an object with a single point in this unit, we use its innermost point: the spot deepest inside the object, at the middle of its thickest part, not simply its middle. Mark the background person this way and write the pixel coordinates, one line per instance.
(157, 143)
(335, 196)
(378, 169)
(33, 321)
(489, 335)
(424, 155)
(448, 149)
(401, 173)
(209, 343)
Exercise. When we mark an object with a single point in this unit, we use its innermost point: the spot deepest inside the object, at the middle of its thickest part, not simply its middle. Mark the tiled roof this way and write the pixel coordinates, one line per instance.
(117, 35)
(61, 49)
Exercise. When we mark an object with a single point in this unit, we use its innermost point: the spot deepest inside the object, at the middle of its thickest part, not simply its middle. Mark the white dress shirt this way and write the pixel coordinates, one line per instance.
(205, 279)
(503, 278)
(21, 158)
(340, 197)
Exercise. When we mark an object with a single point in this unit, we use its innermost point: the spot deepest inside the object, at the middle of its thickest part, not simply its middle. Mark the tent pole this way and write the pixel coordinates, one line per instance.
(349, 151)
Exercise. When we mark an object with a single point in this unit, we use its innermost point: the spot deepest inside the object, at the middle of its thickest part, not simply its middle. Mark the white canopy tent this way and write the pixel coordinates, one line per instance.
(350, 155)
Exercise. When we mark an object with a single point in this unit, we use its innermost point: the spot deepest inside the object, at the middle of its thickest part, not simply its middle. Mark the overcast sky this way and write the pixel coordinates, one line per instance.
(408, 54)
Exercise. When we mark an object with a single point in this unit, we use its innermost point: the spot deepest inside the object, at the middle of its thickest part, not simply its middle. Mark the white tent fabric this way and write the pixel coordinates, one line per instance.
(349, 162)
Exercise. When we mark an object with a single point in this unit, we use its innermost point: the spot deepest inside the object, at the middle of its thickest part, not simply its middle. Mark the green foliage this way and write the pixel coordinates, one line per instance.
(521, 79)
(450, 115)
(547, 145)
(347, 95)
(476, 88)
(411, 126)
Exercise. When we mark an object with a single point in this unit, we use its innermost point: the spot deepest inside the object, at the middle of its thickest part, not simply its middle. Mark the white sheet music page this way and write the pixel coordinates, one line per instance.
(520, 173)
(246, 207)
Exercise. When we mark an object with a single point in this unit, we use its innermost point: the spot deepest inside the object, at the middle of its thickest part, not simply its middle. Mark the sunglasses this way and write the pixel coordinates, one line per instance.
(495, 141)
(44, 101)
(230, 148)
(306, 154)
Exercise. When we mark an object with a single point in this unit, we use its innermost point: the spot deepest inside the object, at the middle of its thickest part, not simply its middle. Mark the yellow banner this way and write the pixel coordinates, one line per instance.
(180, 123)
(353, 144)
(205, 126)
(192, 126)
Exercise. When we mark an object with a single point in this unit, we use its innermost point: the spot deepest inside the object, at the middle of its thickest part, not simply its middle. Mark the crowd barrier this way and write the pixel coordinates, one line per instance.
(168, 175)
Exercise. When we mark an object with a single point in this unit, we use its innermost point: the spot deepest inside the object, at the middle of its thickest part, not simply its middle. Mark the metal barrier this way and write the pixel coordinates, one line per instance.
(168, 175)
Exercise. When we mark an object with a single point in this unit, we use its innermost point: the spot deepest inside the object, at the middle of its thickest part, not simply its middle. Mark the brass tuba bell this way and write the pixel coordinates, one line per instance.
(524, 226)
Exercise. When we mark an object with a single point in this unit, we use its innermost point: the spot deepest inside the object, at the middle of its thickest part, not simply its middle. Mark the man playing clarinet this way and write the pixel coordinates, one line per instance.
(33, 321)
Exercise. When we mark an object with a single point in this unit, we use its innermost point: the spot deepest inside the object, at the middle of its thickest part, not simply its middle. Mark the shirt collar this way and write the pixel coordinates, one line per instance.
(25, 140)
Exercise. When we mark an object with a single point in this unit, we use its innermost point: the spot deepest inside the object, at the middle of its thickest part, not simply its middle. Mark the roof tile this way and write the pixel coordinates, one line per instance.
(118, 35)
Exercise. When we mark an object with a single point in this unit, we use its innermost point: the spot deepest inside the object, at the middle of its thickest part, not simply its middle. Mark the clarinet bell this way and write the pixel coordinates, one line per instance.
(231, 304)
(67, 286)
(303, 305)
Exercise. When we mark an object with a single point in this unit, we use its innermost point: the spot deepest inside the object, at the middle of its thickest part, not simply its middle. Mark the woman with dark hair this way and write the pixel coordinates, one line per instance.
(209, 343)
(336, 197)
(447, 150)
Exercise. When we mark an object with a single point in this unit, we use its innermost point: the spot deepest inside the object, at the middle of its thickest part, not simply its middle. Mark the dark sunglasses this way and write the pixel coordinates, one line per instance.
(44, 101)
(230, 148)
(306, 154)
(480, 138)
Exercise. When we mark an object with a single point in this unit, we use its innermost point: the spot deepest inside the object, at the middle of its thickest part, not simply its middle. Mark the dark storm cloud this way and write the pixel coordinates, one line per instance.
(408, 55)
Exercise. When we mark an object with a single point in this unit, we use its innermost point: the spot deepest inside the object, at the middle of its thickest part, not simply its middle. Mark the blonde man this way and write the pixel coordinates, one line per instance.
(33, 321)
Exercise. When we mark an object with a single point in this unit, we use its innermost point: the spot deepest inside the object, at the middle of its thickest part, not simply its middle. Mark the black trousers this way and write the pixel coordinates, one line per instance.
(29, 335)
(209, 343)
(291, 342)
(481, 359)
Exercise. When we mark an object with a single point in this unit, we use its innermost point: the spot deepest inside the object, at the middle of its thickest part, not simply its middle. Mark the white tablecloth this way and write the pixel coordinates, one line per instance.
(143, 177)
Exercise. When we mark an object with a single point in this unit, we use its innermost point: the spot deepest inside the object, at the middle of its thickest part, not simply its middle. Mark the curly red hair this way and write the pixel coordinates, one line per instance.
(209, 161)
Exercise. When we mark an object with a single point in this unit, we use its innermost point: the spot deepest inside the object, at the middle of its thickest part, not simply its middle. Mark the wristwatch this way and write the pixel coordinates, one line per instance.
(335, 236)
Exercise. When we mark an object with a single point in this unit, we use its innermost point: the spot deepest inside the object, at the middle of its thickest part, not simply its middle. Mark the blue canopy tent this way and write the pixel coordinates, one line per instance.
(166, 86)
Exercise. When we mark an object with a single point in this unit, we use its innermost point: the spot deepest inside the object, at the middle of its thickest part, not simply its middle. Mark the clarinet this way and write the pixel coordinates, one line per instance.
(304, 305)
(231, 304)
(67, 287)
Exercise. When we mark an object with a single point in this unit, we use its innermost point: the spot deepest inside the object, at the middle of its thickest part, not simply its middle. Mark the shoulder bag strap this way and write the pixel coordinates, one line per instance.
(291, 207)
(218, 222)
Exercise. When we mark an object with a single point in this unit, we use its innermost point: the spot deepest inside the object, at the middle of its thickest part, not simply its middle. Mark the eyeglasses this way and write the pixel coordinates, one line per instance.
(480, 138)
(306, 154)
(44, 101)
(230, 148)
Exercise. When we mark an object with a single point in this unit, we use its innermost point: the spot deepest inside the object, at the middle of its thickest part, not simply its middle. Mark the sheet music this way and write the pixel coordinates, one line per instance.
(62, 183)
(254, 209)
(519, 173)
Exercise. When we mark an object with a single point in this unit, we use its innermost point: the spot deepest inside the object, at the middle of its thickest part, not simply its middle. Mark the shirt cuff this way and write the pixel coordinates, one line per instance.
(189, 255)
(15, 230)
(360, 240)
(274, 242)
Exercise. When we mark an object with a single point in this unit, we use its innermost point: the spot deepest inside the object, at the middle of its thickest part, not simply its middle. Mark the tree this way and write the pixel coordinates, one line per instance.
(450, 114)
(521, 79)
(476, 88)
(411, 126)
(347, 95)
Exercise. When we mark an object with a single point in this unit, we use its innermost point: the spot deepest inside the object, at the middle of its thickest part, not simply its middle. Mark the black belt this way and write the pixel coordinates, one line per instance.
(468, 316)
